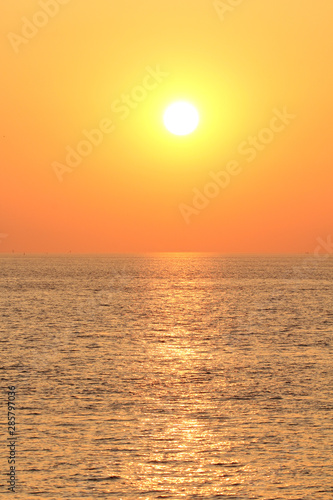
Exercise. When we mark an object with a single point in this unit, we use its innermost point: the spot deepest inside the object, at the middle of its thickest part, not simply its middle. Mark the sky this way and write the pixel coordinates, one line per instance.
(87, 166)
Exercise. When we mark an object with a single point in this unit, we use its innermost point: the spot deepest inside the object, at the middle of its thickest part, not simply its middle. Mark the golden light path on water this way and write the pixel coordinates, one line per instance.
(182, 441)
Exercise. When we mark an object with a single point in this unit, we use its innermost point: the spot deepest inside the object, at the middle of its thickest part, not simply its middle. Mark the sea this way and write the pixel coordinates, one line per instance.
(167, 376)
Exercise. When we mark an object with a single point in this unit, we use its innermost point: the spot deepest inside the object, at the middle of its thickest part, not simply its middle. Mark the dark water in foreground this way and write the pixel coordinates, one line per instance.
(168, 376)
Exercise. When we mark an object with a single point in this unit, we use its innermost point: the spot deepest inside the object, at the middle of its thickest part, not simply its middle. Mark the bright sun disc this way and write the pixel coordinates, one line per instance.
(181, 118)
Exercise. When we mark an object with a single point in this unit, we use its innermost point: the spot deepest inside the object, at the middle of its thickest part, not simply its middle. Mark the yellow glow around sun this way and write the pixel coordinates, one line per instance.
(181, 118)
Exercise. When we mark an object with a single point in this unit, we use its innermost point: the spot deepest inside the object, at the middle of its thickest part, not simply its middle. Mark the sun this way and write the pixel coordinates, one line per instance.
(181, 118)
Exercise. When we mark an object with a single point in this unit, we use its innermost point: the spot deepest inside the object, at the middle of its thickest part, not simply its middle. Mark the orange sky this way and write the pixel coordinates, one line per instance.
(260, 75)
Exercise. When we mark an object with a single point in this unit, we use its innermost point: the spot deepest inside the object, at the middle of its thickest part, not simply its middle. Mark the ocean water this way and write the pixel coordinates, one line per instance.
(176, 376)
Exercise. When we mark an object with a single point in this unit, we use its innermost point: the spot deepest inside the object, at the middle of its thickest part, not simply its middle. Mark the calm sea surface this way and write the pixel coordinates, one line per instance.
(168, 376)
